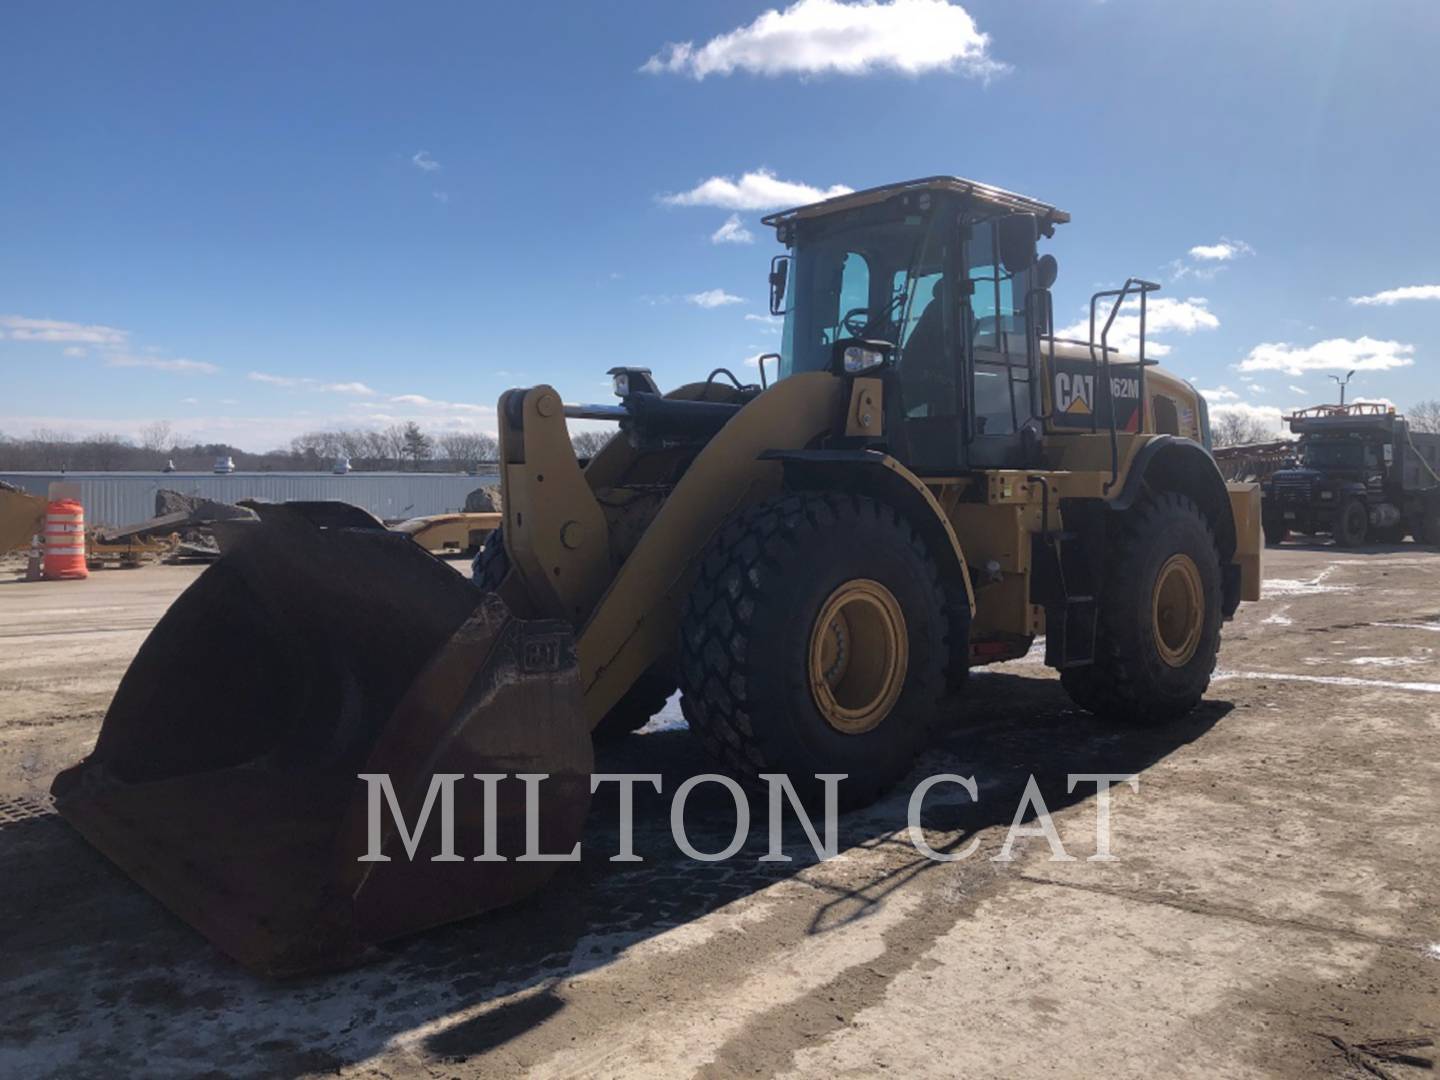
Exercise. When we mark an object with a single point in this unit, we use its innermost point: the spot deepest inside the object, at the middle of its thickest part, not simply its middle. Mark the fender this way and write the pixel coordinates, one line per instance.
(1172, 463)
(879, 475)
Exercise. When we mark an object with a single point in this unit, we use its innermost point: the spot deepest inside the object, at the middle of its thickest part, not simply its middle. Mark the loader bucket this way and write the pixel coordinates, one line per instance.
(226, 778)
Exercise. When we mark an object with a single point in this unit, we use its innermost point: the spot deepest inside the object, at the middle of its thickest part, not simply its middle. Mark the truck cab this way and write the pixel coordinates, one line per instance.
(1361, 476)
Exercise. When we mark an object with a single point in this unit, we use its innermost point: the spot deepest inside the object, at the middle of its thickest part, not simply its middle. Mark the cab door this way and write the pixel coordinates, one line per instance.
(1002, 402)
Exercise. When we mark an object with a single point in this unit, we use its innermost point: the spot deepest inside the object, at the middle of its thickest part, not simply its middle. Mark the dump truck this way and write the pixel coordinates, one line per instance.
(1361, 475)
(924, 479)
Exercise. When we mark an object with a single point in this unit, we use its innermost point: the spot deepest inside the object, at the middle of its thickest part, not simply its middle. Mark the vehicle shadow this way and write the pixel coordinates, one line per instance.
(94, 962)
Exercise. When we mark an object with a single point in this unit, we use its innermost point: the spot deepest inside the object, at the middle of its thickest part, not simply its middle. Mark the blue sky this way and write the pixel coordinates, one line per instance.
(252, 220)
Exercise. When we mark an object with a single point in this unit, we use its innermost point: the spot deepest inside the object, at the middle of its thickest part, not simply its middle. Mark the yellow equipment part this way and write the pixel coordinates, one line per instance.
(451, 534)
(229, 773)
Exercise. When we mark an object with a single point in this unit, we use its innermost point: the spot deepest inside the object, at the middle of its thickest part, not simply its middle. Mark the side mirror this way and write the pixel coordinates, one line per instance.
(1046, 271)
(779, 275)
(1018, 236)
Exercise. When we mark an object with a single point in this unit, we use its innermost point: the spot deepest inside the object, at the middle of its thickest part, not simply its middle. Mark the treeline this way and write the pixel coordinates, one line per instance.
(399, 447)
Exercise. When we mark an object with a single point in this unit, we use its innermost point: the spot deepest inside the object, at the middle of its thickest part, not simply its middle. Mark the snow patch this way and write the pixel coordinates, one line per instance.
(670, 718)
(1279, 618)
(1300, 587)
(1385, 661)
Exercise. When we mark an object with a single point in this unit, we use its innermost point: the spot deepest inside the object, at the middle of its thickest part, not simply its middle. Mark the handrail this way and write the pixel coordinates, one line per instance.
(1141, 288)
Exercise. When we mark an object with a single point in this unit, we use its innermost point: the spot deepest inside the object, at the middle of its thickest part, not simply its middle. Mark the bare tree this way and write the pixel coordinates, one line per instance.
(393, 442)
(157, 436)
(106, 450)
(1425, 416)
(315, 447)
(1233, 428)
(468, 448)
(589, 443)
(376, 447)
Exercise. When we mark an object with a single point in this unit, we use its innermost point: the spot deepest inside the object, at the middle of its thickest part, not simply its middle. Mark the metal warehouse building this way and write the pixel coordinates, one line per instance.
(124, 498)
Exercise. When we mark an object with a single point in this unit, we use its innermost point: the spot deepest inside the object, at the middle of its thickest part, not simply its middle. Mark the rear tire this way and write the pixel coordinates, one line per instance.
(815, 640)
(647, 695)
(1158, 629)
(1351, 524)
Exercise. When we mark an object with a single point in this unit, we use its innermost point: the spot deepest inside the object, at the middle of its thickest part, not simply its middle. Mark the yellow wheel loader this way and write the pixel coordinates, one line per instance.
(926, 479)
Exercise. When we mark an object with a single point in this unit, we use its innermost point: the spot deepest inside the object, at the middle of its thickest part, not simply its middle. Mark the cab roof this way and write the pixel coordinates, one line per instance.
(984, 194)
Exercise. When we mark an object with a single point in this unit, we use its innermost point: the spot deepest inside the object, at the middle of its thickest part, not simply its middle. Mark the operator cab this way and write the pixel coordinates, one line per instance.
(938, 283)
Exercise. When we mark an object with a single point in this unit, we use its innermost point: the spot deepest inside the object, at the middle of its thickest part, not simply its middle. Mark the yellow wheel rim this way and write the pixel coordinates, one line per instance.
(859, 653)
(1178, 610)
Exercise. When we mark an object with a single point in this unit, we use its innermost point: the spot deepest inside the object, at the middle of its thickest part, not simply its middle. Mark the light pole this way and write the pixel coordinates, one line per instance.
(1343, 383)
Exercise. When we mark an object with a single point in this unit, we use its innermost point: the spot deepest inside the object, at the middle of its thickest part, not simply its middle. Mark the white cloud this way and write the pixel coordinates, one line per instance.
(1220, 393)
(179, 366)
(713, 298)
(189, 401)
(434, 406)
(441, 196)
(1297, 389)
(1389, 297)
(1334, 354)
(732, 232)
(813, 37)
(73, 350)
(758, 190)
(424, 162)
(273, 380)
(21, 328)
(1223, 251)
(1207, 261)
(305, 382)
(1162, 315)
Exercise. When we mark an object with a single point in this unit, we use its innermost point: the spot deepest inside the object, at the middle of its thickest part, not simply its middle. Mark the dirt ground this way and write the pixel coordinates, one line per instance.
(1273, 907)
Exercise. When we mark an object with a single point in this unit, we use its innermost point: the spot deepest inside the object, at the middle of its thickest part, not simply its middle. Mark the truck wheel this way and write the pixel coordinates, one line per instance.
(1351, 524)
(1275, 531)
(646, 696)
(815, 641)
(1159, 619)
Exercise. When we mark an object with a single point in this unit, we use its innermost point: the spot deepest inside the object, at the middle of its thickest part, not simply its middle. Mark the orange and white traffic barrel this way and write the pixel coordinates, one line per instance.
(65, 540)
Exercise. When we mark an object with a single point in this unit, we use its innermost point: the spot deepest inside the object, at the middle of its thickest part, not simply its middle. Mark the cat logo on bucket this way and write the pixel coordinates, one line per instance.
(1074, 393)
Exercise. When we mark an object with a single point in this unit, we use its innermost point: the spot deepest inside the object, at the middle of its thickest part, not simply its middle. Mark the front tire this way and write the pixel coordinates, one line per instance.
(1159, 619)
(1351, 524)
(815, 641)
